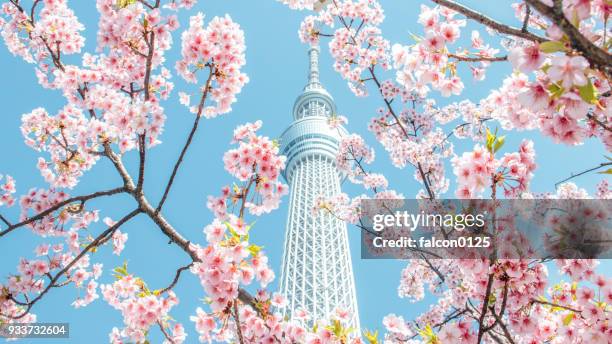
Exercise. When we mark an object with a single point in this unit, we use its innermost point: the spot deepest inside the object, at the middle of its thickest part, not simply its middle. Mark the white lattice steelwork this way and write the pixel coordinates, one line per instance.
(317, 274)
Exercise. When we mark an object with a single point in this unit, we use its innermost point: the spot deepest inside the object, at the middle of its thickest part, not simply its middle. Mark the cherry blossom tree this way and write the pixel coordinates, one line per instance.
(114, 106)
(560, 87)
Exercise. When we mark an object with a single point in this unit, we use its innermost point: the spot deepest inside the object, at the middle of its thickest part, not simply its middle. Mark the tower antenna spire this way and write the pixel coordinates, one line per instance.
(313, 68)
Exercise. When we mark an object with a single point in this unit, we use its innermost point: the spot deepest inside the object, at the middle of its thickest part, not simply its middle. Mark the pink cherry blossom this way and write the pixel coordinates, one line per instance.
(219, 50)
(119, 240)
(526, 59)
(7, 189)
(569, 70)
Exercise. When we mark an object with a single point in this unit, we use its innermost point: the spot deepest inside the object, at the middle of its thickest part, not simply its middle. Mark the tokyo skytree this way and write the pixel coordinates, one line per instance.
(317, 273)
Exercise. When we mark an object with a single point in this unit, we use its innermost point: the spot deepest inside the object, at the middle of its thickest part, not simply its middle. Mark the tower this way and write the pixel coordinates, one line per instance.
(317, 273)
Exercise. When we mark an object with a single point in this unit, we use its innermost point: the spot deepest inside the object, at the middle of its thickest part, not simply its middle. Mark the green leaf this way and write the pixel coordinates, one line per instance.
(371, 337)
(276, 143)
(490, 139)
(499, 143)
(568, 319)
(492, 299)
(427, 333)
(588, 93)
(493, 142)
(608, 171)
(555, 90)
(337, 328)
(552, 47)
(121, 270)
(254, 249)
(125, 3)
(231, 230)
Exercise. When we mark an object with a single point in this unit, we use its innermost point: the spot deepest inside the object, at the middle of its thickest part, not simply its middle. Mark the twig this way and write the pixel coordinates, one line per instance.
(462, 125)
(503, 326)
(574, 175)
(526, 20)
(487, 21)
(454, 315)
(165, 333)
(478, 59)
(59, 205)
(237, 318)
(483, 312)
(176, 278)
(502, 308)
(546, 303)
(146, 4)
(598, 122)
(5, 220)
(194, 128)
(33, 10)
(141, 164)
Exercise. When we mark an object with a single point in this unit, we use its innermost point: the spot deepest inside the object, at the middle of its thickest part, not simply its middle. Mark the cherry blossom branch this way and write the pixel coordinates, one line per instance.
(433, 268)
(574, 175)
(454, 315)
(546, 303)
(146, 4)
(148, 65)
(95, 243)
(141, 164)
(194, 128)
(598, 57)
(160, 221)
(33, 10)
(6, 222)
(55, 57)
(397, 120)
(526, 20)
(388, 105)
(489, 22)
(164, 332)
(81, 199)
(598, 122)
(237, 319)
(147, 95)
(483, 311)
(462, 125)
(116, 161)
(478, 59)
(503, 326)
(502, 309)
(16, 4)
(176, 278)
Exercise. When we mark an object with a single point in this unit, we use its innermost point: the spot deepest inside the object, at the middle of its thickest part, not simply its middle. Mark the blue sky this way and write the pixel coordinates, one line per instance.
(277, 67)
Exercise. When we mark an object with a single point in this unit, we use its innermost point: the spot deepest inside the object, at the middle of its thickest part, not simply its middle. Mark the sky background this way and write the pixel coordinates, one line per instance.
(277, 68)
